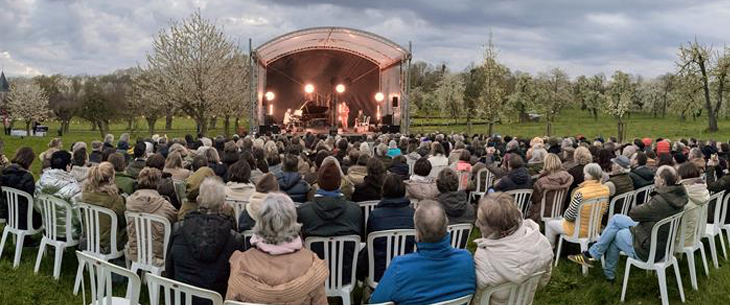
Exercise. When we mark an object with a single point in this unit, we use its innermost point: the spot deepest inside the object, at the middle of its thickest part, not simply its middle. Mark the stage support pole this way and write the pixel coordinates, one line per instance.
(252, 85)
(406, 96)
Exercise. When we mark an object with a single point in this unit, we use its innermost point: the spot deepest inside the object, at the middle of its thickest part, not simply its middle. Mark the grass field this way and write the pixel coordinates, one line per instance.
(21, 286)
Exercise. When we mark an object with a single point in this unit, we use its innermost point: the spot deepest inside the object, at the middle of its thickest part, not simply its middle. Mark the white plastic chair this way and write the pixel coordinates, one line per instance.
(12, 198)
(458, 301)
(334, 256)
(175, 291)
(519, 293)
(659, 266)
(411, 163)
(367, 207)
(396, 244)
(643, 194)
(238, 207)
(700, 215)
(247, 238)
(144, 224)
(482, 184)
(90, 216)
(625, 201)
(714, 229)
(522, 199)
(464, 177)
(100, 281)
(557, 207)
(460, 234)
(229, 302)
(723, 217)
(180, 190)
(50, 208)
(594, 227)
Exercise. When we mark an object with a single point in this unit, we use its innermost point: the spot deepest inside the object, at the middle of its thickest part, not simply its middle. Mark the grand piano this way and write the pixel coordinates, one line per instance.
(313, 115)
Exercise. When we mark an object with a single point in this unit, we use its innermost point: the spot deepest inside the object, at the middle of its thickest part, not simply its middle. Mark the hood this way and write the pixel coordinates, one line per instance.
(519, 176)
(287, 180)
(54, 180)
(145, 200)
(207, 234)
(254, 204)
(400, 169)
(454, 203)
(696, 190)
(644, 172)
(556, 181)
(674, 195)
(329, 207)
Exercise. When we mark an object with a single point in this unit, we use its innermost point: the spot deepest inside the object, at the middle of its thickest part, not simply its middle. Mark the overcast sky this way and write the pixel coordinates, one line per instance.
(581, 36)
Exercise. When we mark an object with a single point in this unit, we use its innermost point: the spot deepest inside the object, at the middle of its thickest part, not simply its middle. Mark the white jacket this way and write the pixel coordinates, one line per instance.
(512, 259)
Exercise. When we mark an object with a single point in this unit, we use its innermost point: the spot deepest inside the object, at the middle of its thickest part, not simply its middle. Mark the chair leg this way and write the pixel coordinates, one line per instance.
(346, 299)
(18, 249)
(584, 248)
(2, 242)
(79, 277)
(57, 262)
(626, 280)
(675, 264)
(39, 257)
(662, 277)
(692, 271)
(713, 250)
(560, 247)
(722, 244)
(704, 260)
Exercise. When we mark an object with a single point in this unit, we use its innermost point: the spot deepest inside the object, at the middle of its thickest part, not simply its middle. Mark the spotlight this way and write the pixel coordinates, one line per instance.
(271, 109)
(379, 96)
(270, 96)
(340, 88)
(309, 88)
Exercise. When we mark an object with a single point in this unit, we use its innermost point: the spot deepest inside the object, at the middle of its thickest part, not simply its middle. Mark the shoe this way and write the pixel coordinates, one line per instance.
(611, 281)
(582, 259)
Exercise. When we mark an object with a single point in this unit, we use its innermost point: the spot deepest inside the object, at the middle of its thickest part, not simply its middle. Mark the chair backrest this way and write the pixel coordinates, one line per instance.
(367, 207)
(238, 207)
(642, 195)
(50, 214)
(483, 184)
(247, 238)
(334, 256)
(175, 291)
(716, 199)
(595, 207)
(395, 245)
(519, 293)
(90, 218)
(623, 201)
(723, 212)
(143, 227)
(411, 163)
(698, 215)
(460, 234)
(12, 198)
(100, 280)
(522, 199)
(464, 177)
(557, 206)
(673, 223)
(458, 301)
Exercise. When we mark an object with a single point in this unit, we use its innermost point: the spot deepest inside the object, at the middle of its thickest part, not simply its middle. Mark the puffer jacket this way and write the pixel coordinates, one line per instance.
(668, 201)
(135, 167)
(126, 183)
(62, 185)
(293, 185)
(199, 249)
(698, 196)
(546, 184)
(512, 258)
(457, 207)
(642, 176)
(16, 177)
(516, 179)
(421, 188)
(150, 202)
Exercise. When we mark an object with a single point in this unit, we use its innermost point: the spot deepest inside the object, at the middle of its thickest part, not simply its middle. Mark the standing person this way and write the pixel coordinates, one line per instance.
(4, 162)
(18, 176)
(344, 115)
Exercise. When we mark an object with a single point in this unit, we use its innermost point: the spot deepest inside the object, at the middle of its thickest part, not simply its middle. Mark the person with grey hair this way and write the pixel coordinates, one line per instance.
(591, 188)
(632, 234)
(109, 140)
(393, 150)
(697, 158)
(619, 181)
(203, 242)
(537, 161)
(277, 269)
(381, 152)
(437, 271)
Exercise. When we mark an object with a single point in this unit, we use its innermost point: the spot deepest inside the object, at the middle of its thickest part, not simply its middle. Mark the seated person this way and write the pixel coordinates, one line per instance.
(452, 200)
(278, 269)
(59, 183)
(291, 182)
(517, 176)
(421, 186)
(632, 234)
(436, 272)
(100, 190)
(370, 189)
(250, 215)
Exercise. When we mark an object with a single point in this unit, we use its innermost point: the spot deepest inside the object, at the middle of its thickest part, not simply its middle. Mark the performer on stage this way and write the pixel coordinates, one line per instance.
(287, 119)
(344, 115)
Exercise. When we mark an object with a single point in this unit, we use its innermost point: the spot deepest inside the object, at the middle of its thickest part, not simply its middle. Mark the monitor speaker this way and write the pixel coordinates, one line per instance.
(395, 102)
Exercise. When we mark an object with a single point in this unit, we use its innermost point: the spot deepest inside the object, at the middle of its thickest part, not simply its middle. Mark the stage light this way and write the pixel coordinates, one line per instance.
(379, 96)
(270, 96)
(271, 109)
(340, 88)
(309, 88)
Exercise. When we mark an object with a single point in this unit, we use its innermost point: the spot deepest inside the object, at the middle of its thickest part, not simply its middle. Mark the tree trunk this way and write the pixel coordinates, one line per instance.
(151, 121)
(237, 124)
(468, 122)
(490, 128)
(549, 128)
(129, 124)
(27, 128)
(213, 122)
(711, 114)
(226, 125)
(595, 114)
(168, 122)
(202, 125)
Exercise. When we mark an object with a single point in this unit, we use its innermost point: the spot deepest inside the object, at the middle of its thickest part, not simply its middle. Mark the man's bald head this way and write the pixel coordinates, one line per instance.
(430, 221)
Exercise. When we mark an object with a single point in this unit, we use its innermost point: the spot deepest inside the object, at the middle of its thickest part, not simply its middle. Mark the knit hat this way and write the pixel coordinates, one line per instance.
(662, 147)
(96, 145)
(329, 177)
(622, 161)
(646, 141)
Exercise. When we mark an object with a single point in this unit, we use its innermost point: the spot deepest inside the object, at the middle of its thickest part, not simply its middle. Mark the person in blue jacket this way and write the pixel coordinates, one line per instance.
(435, 273)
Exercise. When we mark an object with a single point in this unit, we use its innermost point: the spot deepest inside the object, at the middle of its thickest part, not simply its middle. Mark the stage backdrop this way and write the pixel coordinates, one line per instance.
(287, 76)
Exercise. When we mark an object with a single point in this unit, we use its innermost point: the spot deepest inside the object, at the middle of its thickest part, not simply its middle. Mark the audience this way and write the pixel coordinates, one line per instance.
(641, 175)
(516, 178)
(291, 182)
(140, 159)
(248, 218)
(370, 189)
(697, 195)
(79, 168)
(239, 186)
(619, 182)
(421, 186)
(124, 182)
(553, 178)
(100, 190)
(17, 175)
(56, 181)
(453, 201)
(174, 167)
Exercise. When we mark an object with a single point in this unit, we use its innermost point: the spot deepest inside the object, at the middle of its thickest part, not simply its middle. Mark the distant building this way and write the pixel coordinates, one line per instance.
(4, 88)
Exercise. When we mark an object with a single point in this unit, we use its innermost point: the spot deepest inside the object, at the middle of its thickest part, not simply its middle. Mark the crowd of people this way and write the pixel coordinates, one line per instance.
(310, 185)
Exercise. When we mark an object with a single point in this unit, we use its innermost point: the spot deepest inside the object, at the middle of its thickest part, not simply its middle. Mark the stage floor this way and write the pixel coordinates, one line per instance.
(325, 130)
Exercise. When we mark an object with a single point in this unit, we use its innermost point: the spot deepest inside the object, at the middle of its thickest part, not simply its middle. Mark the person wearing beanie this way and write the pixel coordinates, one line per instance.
(95, 155)
(647, 143)
(140, 159)
(662, 147)
(619, 181)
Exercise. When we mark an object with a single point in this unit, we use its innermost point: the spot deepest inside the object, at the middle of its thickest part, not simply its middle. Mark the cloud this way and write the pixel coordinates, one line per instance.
(584, 37)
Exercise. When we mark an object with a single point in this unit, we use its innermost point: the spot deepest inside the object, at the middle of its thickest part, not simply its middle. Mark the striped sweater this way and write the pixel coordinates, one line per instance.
(590, 189)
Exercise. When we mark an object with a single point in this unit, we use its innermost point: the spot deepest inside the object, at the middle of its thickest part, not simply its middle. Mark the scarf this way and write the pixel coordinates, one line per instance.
(334, 194)
(282, 248)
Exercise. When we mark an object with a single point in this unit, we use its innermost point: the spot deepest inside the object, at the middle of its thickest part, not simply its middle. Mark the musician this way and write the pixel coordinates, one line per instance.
(344, 115)
(288, 119)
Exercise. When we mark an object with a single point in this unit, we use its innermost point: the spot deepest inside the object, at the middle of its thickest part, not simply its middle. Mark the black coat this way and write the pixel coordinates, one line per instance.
(642, 176)
(199, 250)
(293, 185)
(668, 201)
(16, 177)
(516, 179)
(370, 189)
(95, 157)
(389, 214)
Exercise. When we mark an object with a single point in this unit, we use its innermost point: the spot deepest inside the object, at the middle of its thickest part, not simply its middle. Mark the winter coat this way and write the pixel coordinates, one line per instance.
(421, 188)
(199, 249)
(14, 176)
(150, 202)
(578, 175)
(219, 169)
(292, 184)
(436, 272)
(289, 279)
(275, 169)
(192, 184)
(79, 173)
(546, 186)
(400, 169)
(126, 183)
(717, 185)
(239, 191)
(356, 174)
(642, 176)
(619, 184)
(668, 201)
(699, 163)
(697, 195)
(62, 185)
(135, 167)
(370, 189)
(513, 259)
(95, 157)
(346, 188)
(116, 204)
(516, 179)
(389, 214)
(179, 174)
(534, 168)
(457, 207)
(386, 160)
(393, 152)
(329, 216)
(587, 190)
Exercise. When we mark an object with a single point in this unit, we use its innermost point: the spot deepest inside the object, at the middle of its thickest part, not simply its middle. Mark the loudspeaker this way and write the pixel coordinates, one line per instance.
(264, 129)
(269, 120)
(387, 120)
(395, 102)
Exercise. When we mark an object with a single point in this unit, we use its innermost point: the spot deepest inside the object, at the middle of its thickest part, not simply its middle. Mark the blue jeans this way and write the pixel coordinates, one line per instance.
(616, 237)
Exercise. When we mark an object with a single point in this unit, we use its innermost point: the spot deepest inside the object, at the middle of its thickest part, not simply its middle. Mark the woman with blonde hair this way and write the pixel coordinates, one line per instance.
(100, 189)
(54, 145)
(174, 166)
(552, 179)
(582, 156)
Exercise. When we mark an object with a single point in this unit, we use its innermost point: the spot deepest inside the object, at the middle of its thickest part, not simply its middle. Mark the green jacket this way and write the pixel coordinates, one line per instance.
(668, 201)
(116, 204)
(126, 183)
